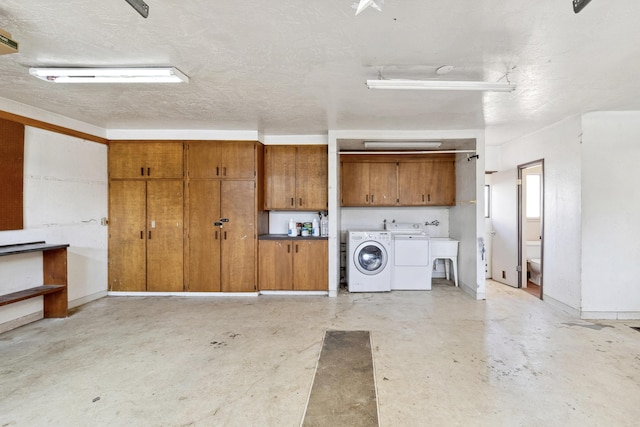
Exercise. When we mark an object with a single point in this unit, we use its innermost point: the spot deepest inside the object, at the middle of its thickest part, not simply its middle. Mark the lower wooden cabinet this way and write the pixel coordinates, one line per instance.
(298, 265)
(222, 236)
(146, 236)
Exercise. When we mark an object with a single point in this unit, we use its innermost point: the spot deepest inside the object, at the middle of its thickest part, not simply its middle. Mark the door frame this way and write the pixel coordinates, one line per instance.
(522, 270)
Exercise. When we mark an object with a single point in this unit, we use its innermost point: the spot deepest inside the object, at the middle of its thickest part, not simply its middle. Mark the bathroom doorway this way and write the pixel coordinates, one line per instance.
(531, 227)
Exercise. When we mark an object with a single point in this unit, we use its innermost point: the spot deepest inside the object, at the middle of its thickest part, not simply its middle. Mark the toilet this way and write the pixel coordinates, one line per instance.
(533, 261)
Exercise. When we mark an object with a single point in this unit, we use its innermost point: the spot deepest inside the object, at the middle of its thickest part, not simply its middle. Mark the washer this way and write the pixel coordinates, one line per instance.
(369, 261)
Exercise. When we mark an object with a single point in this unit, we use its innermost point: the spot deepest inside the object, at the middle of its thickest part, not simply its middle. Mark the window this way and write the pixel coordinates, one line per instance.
(487, 201)
(533, 196)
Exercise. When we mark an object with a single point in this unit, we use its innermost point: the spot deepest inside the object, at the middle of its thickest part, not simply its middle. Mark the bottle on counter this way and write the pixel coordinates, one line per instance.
(324, 226)
(315, 227)
(292, 231)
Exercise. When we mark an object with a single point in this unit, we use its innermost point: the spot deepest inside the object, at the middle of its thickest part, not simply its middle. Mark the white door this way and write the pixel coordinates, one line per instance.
(504, 213)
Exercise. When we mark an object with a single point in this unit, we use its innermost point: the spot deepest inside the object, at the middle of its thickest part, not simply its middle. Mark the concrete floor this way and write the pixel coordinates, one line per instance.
(440, 357)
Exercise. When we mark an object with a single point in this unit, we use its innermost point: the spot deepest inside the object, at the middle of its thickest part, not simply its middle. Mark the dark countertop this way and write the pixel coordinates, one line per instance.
(22, 248)
(286, 237)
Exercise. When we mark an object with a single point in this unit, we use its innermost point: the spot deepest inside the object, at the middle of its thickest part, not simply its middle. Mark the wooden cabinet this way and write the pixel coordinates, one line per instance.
(296, 177)
(415, 181)
(222, 159)
(171, 231)
(145, 160)
(146, 235)
(369, 184)
(300, 265)
(222, 217)
(427, 183)
(222, 236)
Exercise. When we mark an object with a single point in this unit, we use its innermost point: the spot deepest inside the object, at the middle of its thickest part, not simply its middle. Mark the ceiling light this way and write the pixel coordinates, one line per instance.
(110, 75)
(439, 85)
(402, 144)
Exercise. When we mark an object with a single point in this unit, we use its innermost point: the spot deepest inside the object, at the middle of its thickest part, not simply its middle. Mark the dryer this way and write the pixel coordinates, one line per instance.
(369, 261)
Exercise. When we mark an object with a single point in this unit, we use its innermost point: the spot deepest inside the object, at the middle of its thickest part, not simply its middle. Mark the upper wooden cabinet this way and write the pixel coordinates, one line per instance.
(296, 177)
(398, 181)
(429, 182)
(145, 160)
(222, 159)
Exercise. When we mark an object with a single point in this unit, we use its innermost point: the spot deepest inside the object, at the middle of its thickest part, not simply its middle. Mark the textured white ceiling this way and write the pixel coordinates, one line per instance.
(298, 67)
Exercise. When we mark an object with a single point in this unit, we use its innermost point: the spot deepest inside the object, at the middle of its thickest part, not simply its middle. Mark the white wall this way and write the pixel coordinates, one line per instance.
(559, 146)
(610, 215)
(65, 196)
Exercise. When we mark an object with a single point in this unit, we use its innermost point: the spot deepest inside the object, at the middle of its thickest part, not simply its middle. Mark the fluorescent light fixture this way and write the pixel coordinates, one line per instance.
(439, 85)
(399, 145)
(110, 75)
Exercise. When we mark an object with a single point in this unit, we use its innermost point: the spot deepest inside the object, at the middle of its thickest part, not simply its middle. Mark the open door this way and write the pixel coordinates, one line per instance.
(504, 215)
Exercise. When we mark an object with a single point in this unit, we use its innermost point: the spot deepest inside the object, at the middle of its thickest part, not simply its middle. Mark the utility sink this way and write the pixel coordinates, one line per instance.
(443, 247)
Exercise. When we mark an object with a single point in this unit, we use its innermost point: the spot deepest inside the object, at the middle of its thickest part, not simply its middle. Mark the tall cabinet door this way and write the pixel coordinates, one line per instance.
(311, 177)
(127, 236)
(165, 253)
(238, 246)
(280, 175)
(204, 236)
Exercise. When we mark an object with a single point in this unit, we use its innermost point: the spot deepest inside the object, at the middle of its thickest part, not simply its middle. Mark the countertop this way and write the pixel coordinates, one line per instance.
(286, 237)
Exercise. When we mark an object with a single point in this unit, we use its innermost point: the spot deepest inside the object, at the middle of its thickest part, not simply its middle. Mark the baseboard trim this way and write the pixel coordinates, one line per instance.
(574, 312)
(21, 321)
(610, 315)
(87, 299)
(295, 293)
(182, 294)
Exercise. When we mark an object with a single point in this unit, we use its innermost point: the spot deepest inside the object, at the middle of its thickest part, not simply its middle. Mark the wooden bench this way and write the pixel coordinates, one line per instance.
(54, 269)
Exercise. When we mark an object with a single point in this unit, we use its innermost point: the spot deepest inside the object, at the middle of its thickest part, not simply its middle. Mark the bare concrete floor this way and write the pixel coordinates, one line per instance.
(440, 359)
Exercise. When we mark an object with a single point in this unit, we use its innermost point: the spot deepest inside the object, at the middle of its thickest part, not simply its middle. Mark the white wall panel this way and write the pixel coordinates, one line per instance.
(610, 207)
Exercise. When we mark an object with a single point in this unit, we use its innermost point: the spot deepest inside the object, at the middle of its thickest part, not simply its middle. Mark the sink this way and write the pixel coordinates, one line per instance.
(444, 247)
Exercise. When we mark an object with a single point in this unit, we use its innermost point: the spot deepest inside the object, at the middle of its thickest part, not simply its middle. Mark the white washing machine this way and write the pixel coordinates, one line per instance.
(369, 261)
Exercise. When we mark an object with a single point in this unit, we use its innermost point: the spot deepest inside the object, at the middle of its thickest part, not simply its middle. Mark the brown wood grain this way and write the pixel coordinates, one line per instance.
(310, 265)
(275, 264)
(11, 175)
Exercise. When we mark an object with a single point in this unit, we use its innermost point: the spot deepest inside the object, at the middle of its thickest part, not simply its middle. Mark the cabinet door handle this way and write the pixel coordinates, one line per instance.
(288, 248)
(141, 171)
(224, 171)
(148, 171)
(423, 197)
(292, 201)
(216, 235)
(296, 248)
(300, 201)
(217, 171)
(141, 234)
(372, 198)
(149, 234)
(366, 198)
(225, 235)
(429, 197)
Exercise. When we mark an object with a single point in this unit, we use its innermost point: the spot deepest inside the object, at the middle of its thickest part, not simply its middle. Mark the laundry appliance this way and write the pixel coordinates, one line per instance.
(369, 261)
(411, 260)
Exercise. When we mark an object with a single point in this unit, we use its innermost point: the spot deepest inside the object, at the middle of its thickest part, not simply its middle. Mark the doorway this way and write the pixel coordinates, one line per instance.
(531, 227)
